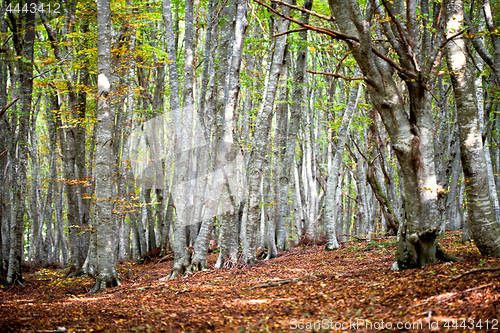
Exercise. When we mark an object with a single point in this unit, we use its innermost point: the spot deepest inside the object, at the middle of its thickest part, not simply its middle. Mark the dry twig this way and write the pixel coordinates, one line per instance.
(274, 283)
(475, 270)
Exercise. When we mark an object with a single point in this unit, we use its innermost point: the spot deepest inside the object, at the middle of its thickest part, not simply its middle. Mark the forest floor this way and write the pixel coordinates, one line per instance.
(304, 289)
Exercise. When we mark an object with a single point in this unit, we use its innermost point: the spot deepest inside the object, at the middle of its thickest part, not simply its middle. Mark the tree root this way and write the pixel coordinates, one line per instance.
(441, 255)
(104, 281)
(179, 268)
(200, 265)
(77, 273)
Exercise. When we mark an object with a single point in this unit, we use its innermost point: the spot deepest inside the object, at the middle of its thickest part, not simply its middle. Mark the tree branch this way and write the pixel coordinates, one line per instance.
(341, 36)
(289, 32)
(348, 78)
(401, 33)
(310, 12)
(5, 108)
(475, 270)
(350, 197)
(359, 150)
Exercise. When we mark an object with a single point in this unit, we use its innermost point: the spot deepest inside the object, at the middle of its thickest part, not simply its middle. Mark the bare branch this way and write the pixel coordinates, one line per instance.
(289, 32)
(401, 33)
(341, 36)
(439, 51)
(5, 108)
(453, 37)
(359, 150)
(373, 160)
(332, 33)
(350, 197)
(310, 12)
(340, 76)
(475, 270)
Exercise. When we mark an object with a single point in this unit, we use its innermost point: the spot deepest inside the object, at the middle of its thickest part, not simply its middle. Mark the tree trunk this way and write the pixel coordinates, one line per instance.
(68, 140)
(484, 227)
(182, 140)
(296, 110)
(411, 137)
(226, 154)
(206, 121)
(262, 128)
(333, 178)
(26, 82)
(104, 151)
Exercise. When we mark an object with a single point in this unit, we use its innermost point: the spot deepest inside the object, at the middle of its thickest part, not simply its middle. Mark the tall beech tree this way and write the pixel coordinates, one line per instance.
(411, 133)
(106, 265)
(24, 46)
(484, 226)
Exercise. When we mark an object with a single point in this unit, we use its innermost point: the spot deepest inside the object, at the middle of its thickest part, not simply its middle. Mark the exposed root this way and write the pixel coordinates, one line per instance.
(198, 265)
(104, 281)
(441, 255)
(179, 268)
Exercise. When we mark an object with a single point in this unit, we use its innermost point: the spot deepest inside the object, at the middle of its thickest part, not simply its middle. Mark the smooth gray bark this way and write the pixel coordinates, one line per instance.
(262, 128)
(333, 177)
(206, 118)
(484, 227)
(69, 137)
(104, 159)
(183, 122)
(411, 137)
(14, 274)
(296, 109)
(226, 151)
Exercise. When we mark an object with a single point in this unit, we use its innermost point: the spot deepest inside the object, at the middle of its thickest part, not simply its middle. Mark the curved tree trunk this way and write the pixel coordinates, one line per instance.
(411, 137)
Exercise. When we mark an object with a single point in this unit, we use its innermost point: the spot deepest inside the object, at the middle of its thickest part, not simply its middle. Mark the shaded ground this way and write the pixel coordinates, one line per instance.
(322, 291)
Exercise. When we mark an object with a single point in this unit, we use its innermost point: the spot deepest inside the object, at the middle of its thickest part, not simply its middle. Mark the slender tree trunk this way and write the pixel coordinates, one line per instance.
(484, 227)
(3, 144)
(60, 243)
(262, 128)
(286, 176)
(68, 140)
(333, 178)
(26, 82)
(36, 241)
(225, 183)
(280, 134)
(206, 120)
(297, 200)
(104, 159)
(181, 143)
